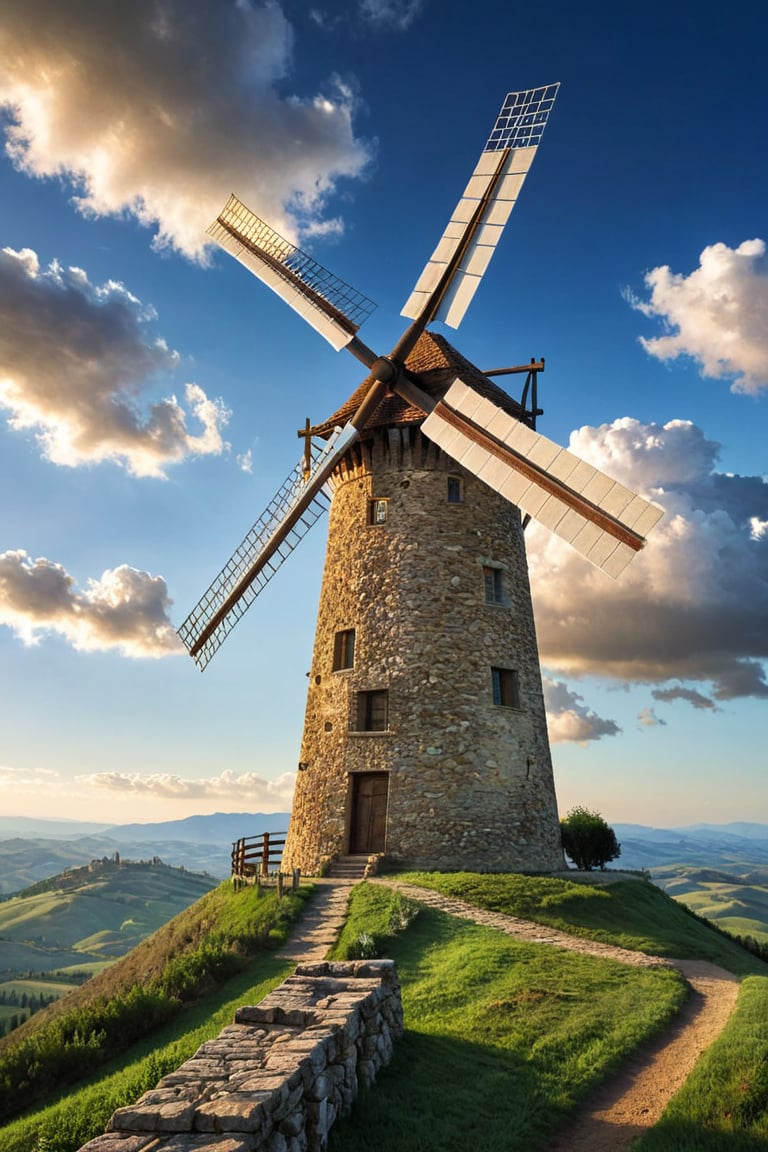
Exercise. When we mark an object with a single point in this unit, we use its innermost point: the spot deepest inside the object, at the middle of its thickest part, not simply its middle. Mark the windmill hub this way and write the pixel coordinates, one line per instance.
(386, 371)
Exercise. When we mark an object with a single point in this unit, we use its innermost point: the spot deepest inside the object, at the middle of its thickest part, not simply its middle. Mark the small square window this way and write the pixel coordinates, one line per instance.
(506, 687)
(372, 711)
(344, 650)
(493, 583)
(455, 490)
(377, 511)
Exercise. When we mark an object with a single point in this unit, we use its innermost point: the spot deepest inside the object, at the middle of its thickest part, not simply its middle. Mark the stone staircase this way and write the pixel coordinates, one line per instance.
(348, 868)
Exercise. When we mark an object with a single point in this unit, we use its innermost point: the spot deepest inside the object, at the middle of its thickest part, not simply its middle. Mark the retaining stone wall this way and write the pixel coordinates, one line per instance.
(277, 1078)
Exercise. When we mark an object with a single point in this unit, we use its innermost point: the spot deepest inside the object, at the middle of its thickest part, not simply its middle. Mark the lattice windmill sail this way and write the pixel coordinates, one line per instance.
(603, 520)
(423, 417)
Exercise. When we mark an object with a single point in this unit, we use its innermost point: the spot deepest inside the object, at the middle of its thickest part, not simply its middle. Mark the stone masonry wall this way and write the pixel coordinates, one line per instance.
(277, 1078)
(470, 783)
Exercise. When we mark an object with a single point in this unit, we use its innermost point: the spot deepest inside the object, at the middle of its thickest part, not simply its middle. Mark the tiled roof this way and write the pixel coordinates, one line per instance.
(437, 363)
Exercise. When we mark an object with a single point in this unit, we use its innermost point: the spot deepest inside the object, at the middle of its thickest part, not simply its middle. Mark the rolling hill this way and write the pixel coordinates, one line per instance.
(63, 929)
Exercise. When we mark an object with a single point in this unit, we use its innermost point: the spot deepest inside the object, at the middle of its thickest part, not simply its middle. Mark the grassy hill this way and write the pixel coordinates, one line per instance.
(140, 1003)
(737, 902)
(65, 928)
(504, 1038)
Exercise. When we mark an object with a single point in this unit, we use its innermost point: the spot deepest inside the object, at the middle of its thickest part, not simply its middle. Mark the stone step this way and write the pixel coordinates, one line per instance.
(348, 868)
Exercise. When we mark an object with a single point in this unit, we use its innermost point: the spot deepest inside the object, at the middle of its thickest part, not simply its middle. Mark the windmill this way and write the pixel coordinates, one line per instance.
(425, 734)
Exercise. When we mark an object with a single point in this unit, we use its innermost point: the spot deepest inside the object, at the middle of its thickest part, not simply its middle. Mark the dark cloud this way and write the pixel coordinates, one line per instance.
(693, 607)
(124, 609)
(75, 360)
(569, 719)
(694, 698)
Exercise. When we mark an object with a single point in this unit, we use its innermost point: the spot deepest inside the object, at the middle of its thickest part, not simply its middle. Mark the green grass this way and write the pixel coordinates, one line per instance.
(723, 1106)
(502, 1037)
(633, 914)
(153, 986)
(83, 1114)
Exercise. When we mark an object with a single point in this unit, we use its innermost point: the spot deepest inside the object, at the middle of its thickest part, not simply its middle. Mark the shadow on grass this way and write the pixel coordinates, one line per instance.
(425, 1101)
(685, 1136)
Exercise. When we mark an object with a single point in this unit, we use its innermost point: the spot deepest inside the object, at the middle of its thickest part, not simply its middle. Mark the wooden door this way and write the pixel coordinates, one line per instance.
(369, 812)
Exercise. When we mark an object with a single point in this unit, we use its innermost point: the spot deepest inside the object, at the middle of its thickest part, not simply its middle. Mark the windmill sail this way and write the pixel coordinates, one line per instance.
(296, 506)
(599, 517)
(450, 279)
(332, 307)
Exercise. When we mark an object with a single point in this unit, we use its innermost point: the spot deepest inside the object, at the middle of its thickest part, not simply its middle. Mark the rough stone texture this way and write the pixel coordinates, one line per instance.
(277, 1078)
(470, 782)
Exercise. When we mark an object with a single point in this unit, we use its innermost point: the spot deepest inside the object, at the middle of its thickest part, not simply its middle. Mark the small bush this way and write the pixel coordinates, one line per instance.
(588, 840)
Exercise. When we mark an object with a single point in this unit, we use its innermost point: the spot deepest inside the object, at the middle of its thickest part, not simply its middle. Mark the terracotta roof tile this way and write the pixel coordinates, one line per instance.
(437, 363)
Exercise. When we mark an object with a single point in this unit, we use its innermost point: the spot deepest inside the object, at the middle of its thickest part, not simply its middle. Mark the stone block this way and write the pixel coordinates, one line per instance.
(119, 1142)
(172, 1117)
(230, 1114)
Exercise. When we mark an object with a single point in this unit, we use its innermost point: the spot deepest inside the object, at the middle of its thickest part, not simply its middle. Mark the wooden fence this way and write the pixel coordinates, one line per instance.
(257, 856)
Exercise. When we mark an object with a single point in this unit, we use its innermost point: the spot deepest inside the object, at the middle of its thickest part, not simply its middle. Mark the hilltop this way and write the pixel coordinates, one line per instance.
(504, 1038)
(35, 849)
(57, 932)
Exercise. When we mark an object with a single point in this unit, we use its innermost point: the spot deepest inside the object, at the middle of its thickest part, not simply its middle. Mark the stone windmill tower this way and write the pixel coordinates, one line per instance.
(425, 734)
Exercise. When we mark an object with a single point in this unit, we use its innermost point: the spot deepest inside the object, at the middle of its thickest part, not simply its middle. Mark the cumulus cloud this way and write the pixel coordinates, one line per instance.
(718, 314)
(125, 609)
(162, 109)
(696, 699)
(244, 787)
(75, 359)
(693, 606)
(569, 719)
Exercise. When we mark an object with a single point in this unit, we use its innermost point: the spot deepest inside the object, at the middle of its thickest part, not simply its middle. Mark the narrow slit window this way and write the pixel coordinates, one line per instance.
(372, 710)
(344, 650)
(378, 511)
(506, 687)
(493, 584)
(455, 490)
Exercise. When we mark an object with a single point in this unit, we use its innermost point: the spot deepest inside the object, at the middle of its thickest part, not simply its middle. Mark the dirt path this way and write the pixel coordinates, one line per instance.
(318, 927)
(635, 1099)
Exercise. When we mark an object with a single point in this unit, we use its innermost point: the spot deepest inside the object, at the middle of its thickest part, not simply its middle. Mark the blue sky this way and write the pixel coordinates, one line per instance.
(150, 393)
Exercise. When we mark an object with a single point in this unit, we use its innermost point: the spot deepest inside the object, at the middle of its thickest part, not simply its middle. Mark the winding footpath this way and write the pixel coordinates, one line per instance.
(635, 1099)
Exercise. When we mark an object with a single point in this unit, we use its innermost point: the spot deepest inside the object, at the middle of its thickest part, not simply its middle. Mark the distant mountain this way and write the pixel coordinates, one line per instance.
(26, 826)
(219, 828)
(728, 847)
(198, 843)
(196, 829)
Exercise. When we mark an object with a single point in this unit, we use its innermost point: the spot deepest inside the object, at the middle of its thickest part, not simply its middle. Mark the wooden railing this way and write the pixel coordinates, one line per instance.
(257, 855)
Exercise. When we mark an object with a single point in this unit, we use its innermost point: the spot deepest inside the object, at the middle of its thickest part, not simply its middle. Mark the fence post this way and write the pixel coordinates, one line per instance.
(296, 879)
(265, 855)
(279, 885)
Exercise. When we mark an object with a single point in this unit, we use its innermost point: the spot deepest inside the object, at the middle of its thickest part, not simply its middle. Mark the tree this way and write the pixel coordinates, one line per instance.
(588, 840)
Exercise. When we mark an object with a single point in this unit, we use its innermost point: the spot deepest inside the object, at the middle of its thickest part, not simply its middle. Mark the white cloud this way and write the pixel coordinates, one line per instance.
(397, 14)
(647, 718)
(125, 609)
(245, 461)
(162, 110)
(75, 361)
(245, 787)
(718, 314)
(693, 606)
(569, 719)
